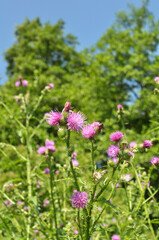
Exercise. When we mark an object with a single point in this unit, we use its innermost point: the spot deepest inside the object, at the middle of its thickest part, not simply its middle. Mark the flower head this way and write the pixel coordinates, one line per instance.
(113, 151)
(79, 199)
(25, 83)
(17, 83)
(36, 231)
(156, 79)
(120, 107)
(74, 154)
(75, 162)
(75, 121)
(50, 145)
(132, 144)
(115, 160)
(116, 136)
(115, 237)
(147, 144)
(75, 232)
(51, 85)
(154, 160)
(46, 170)
(67, 106)
(41, 150)
(88, 131)
(53, 118)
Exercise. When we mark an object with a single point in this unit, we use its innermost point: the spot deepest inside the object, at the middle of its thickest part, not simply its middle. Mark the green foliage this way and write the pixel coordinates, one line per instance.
(119, 69)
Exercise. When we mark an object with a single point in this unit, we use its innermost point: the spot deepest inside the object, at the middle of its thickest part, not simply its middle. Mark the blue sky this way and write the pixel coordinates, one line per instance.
(85, 19)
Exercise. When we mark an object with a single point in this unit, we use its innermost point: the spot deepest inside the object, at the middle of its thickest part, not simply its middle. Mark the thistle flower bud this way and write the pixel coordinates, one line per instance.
(61, 133)
(124, 144)
(67, 106)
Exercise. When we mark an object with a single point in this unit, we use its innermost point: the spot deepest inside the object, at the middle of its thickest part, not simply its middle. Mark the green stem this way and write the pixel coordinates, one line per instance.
(52, 199)
(92, 155)
(127, 196)
(28, 178)
(88, 214)
(79, 223)
(70, 161)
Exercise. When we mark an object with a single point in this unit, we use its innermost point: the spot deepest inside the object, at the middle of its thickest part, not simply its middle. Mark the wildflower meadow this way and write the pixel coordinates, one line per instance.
(60, 197)
(79, 141)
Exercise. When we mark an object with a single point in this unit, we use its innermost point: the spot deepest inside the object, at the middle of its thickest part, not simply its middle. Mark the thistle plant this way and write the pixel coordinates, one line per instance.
(59, 197)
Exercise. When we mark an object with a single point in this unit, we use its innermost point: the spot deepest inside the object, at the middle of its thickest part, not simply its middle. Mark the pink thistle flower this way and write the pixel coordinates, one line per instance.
(113, 220)
(116, 136)
(105, 225)
(25, 83)
(117, 185)
(100, 209)
(51, 148)
(152, 200)
(38, 186)
(79, 199)
(41, 150)
(120, 107)
(154, 160)
(36, 231)
(113, 151)
(97, 125)
(8, 203)
(75, 162)
(88, 131)
(75, 232)
(47, 201)
(49, 143)
(115, 237)
(147, 144)
(26, 208)
(131, 154)
(75, 121)
(74, 154)
(46, 170)
(156, 79)
(19, 202)
(51, 85)
(132, 144)
(115, 160)
(57, 172)
(20, 78)
(17, 83)
(53, 118)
